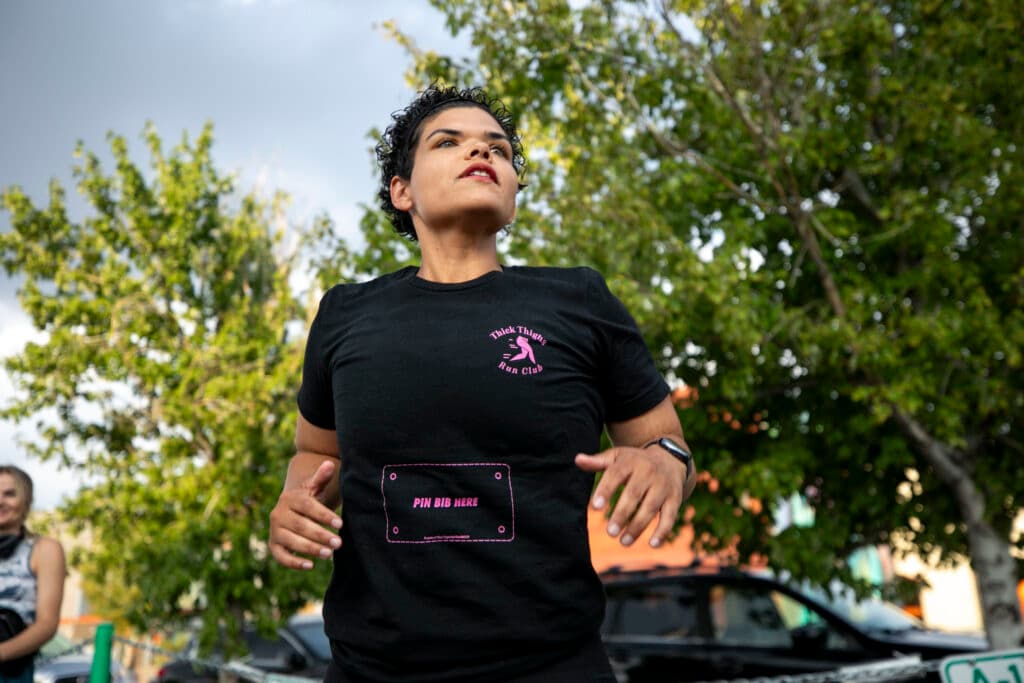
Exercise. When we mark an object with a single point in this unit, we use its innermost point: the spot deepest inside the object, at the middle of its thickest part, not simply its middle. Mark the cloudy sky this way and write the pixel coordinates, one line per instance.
(292, 87)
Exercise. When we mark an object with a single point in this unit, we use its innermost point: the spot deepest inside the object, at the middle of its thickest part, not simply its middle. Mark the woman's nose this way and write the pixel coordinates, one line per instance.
(481, 149)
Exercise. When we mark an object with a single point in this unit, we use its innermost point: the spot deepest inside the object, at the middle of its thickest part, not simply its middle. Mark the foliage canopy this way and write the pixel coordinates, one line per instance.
(166, 377)
(813, 209)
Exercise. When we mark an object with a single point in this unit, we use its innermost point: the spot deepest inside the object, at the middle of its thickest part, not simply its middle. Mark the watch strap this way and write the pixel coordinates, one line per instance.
(675, 450)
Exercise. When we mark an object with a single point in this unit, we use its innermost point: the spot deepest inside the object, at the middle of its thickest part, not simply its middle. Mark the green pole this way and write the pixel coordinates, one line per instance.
(100, 671)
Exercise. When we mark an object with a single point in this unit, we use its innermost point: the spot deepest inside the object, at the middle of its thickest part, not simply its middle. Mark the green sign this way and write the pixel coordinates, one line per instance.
(1001, 666)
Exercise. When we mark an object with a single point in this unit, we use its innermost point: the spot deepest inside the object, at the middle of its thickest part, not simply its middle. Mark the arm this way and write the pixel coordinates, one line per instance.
(308, 502)
(653, 481)
(47, 563)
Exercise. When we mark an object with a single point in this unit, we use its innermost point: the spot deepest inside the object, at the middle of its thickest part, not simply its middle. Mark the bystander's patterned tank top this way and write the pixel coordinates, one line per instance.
(18, 583)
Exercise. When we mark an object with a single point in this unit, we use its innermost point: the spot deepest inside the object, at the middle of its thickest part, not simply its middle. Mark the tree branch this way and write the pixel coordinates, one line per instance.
(671, 146)
(800, 221)
(942, 458)
(714, 78)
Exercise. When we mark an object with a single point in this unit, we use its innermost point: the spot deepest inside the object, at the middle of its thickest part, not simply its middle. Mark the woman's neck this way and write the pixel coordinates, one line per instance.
(455, 257)
(11, 530)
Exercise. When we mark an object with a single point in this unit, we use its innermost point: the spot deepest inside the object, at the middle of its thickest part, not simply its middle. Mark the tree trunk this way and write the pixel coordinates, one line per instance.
(997, 581)
(994, 570)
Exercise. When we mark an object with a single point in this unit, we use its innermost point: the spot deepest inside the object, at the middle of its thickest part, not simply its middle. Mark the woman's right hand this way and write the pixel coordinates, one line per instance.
(297, 522)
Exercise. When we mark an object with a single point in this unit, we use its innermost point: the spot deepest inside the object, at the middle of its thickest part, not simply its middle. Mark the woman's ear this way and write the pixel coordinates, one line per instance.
(401, 197)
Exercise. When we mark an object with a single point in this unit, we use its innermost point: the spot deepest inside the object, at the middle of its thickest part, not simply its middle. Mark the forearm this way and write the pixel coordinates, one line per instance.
(661, 421)
(30, 640)
(640, 439)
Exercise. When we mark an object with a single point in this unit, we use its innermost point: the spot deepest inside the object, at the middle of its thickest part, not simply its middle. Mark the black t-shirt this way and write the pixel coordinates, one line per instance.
(459, 409)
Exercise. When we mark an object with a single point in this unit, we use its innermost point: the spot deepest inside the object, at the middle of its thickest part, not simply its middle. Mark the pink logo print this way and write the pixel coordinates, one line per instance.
(523, 342)
(525, 351)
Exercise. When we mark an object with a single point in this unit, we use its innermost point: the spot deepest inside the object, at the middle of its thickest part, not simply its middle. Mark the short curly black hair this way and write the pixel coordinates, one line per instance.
(397, 145)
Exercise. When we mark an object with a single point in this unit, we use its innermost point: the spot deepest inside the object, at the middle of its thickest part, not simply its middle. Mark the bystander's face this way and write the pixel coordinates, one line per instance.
(462, 174)
(12, 505)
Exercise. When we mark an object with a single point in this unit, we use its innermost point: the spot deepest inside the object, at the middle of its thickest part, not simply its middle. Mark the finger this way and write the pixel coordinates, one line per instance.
(595, 463)
(286, 559)
(303, 526)
(666, 521)
(625, 509)
(306, 505)
(610, 482)
(650, 504)
(304, 545)
(318, 482)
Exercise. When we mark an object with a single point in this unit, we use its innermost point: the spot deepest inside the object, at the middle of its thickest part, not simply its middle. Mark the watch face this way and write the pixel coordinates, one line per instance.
(675, 449)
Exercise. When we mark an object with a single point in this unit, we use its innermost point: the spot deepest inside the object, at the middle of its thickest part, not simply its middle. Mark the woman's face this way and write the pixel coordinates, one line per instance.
(462, 173)
(12, 505)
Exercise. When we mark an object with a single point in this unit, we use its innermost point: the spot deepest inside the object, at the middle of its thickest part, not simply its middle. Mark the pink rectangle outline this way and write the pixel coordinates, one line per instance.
(450, 539)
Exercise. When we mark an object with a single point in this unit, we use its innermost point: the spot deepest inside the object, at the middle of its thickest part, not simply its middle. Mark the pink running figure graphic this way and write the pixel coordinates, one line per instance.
(525, 350)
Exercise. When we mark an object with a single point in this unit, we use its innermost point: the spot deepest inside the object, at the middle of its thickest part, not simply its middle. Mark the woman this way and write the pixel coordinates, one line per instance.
(32, 572)
(466, 400)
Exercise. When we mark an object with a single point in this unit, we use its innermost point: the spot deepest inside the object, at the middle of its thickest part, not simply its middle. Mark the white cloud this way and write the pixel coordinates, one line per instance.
(51, 483)
(17, 329)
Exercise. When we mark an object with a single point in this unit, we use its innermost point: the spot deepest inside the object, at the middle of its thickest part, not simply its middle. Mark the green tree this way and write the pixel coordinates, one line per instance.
(165, 378)
(813, 209)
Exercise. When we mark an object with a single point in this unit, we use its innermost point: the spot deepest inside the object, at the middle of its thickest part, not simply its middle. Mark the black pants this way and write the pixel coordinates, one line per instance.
(589, 664)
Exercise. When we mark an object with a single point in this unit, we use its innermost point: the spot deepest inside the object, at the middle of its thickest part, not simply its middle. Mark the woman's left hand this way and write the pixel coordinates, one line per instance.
(653, 483)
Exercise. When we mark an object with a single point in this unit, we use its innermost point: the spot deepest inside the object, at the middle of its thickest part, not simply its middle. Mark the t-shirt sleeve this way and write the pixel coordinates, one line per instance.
(316, 396)
(630, 382)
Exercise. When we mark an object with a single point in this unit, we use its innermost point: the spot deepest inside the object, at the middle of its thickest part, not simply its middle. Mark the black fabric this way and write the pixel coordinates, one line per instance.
(9, 543)
(587, 663)
(459, 410)
(11, 624)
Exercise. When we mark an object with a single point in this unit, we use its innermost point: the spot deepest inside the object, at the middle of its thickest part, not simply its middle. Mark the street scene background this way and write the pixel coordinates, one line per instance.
(812, 210)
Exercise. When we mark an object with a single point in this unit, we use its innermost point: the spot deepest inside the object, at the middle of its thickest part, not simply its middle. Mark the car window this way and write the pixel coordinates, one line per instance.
(653, 610)
(313, 637)
(795, 614)
(746, 616)
(797, 617)
(869, 613)
(761, 617)
(261, 648)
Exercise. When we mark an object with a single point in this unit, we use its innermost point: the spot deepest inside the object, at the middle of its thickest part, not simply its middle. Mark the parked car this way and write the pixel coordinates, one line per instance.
(300, 649)
(53, 667)
(700, 623)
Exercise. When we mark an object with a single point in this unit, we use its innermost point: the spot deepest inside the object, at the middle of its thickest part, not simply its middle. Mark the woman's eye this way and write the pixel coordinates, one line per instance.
(446, 143)
(497, 149)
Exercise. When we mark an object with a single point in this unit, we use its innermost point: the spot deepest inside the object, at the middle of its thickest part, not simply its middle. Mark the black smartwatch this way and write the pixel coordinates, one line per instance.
(676, 451)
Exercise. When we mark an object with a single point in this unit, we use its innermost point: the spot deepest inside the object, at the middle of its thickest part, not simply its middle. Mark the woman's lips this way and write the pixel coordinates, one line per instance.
(476, 171)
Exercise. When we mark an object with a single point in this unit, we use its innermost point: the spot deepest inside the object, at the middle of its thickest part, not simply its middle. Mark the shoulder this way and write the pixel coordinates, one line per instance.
(581, 284)
(47, 551)
(579, 278)
(342, 295)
